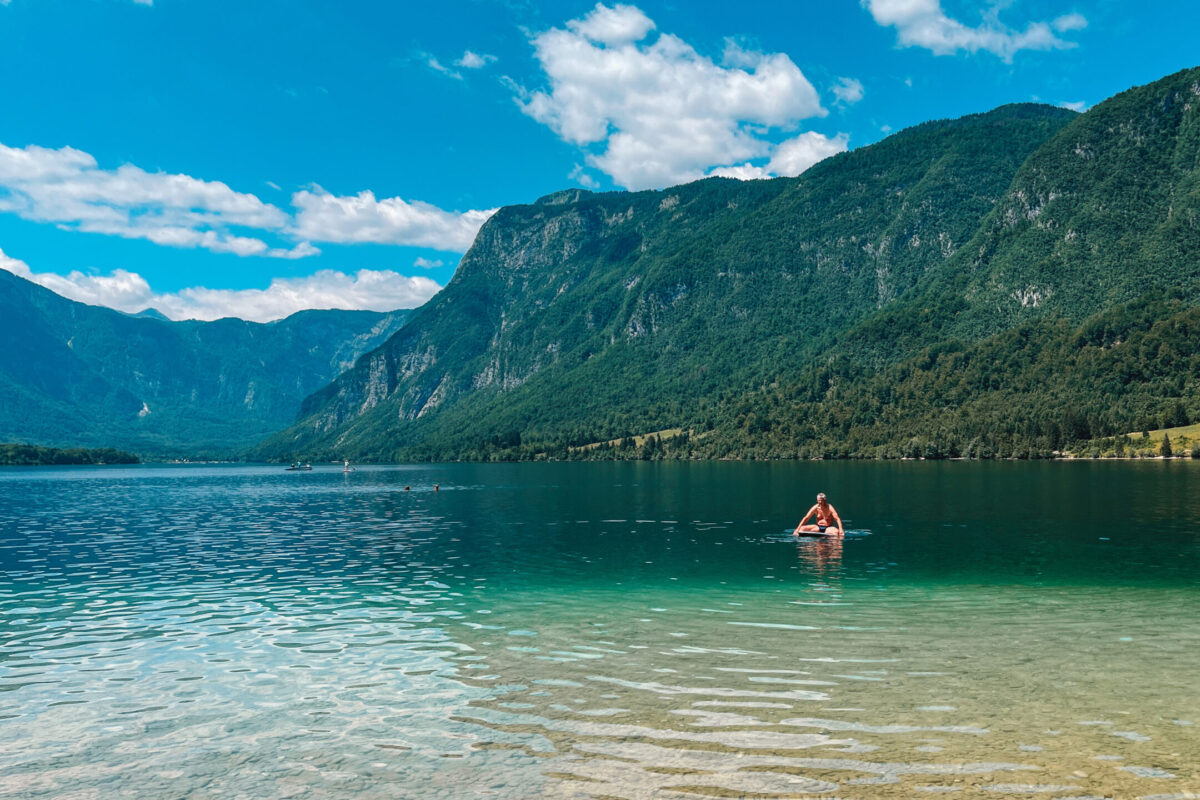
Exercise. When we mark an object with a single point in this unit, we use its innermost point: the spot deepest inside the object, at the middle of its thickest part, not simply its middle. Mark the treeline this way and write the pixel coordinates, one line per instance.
(1032, 392)
(28, 455)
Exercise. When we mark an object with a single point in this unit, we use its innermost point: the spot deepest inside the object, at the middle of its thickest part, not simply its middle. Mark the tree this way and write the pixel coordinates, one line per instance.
(1164, 449)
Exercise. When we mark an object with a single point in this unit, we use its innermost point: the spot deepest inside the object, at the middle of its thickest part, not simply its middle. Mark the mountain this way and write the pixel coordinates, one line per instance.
(1104, 212)
(78, 375)
(588, 315)
(1072, 314)
(970, 283)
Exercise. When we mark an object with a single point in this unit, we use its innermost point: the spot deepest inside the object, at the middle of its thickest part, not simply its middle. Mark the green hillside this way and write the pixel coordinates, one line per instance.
(75, 375)
(584, 317)
(1006, 284)
(1106, 211)
(1036, 389)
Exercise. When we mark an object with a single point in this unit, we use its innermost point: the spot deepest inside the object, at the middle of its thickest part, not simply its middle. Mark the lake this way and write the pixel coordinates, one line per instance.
(630, 630)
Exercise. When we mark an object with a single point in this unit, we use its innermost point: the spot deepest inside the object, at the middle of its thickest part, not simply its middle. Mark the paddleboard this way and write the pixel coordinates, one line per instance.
(786, 536)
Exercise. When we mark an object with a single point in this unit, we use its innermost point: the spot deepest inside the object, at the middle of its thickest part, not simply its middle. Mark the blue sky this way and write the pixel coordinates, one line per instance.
(216, 158)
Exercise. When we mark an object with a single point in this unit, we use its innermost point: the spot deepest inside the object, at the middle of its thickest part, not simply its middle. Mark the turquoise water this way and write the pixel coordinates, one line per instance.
(600, 630)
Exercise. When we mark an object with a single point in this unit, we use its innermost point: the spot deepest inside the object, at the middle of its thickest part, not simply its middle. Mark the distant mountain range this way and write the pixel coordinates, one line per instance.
(992, 285)
(74, 375)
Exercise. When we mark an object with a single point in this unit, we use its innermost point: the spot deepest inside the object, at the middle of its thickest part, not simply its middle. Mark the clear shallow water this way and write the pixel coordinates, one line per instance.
(600, 630)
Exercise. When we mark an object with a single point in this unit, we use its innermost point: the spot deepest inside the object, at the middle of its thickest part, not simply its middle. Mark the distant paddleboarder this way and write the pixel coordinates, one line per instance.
(827, 520)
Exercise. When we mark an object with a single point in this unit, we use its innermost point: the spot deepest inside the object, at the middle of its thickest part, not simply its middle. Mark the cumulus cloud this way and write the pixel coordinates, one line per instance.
(618, 25)
(376, 290)
(743, 172)
(650, 112)
(789, 158)
(67, 187)
(325, 217)
(923, 23)
(796, 155)
(122, 290)
(848, 91)
(425, 263)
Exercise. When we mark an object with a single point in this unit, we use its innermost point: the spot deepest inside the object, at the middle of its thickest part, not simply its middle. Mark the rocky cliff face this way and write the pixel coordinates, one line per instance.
(581, 307)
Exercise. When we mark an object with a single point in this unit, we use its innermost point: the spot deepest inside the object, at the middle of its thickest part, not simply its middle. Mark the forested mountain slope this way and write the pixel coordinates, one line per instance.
(1006, 283)
(1070, 315)
(1106, 211)
(583, 316)
(78, 375)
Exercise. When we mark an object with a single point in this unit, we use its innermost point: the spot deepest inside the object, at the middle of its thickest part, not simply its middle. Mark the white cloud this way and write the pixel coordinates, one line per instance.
(468, 60)
(1078, 105)
(425, 263)
(438, 66)
(654, 113)
(579, 175)
(618, 25)
(325, 217)
(122, 290)
(789, 158)
(796, 155)
(471, 60)
(66, 187)
(848, 91)
(923, 23)
(743, 172)
(1070, 22)
(375, 290)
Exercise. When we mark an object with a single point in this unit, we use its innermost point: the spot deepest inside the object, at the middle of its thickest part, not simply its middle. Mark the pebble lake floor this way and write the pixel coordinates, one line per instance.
(599, 631)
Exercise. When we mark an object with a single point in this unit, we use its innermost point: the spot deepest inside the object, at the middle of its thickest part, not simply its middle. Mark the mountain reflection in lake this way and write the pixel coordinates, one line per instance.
(600, 630)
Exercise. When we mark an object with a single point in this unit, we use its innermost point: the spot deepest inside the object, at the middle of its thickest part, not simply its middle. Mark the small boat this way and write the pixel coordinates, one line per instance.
(298, 467)
(346, 467)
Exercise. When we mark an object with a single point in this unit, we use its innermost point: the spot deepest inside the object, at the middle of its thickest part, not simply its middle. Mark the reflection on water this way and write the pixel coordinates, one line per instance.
(604, 631)
(823, 557)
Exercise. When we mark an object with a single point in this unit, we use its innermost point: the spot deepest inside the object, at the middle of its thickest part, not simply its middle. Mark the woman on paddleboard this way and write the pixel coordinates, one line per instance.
(827, 520)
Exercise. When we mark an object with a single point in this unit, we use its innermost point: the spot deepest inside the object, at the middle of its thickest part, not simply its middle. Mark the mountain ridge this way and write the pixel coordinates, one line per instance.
(78, 375)
(607, 291)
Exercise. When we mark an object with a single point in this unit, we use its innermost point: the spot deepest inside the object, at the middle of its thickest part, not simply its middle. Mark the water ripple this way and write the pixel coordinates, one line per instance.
(246, 633)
